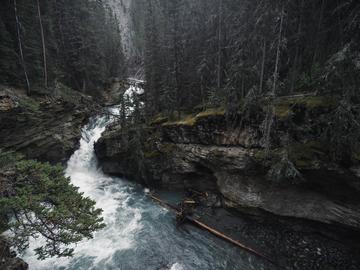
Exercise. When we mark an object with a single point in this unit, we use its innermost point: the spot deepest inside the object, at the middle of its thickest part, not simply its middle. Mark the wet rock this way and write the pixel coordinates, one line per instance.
(206, 152)
(42, 128)
(8, 259)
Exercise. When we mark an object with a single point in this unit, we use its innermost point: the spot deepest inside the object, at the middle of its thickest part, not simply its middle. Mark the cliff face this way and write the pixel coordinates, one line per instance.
(297, 178)
(42, 128)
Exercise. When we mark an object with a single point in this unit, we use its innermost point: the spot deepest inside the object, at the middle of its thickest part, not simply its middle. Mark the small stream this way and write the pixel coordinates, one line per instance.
(140, 235)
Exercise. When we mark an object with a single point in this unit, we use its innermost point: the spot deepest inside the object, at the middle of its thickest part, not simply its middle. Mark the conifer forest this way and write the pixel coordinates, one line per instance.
(179, 134)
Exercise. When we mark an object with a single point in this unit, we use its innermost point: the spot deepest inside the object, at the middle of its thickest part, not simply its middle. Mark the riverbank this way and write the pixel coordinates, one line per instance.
(45, 127)
(298, 192)
(285, 243)
(291, 244)
(138, 234)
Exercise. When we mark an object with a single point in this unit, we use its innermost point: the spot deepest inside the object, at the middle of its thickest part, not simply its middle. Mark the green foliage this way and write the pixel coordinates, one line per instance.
(343, 131)
(82, 44)
(29, 103)
(43, 202)
(284, 172)
(308, 78)
(193, 57)
(306, 155)
(8, 158)
(284, 106)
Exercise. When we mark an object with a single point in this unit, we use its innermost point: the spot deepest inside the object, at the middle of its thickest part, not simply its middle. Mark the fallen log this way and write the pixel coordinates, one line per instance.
(212, 231)
(161, 202)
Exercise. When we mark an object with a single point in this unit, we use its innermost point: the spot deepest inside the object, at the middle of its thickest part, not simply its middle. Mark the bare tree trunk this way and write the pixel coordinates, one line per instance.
(202, 91)
(262, 67)
(296, 60)
(318, 32)
(43, 45)
(276, 72)
(269, 121)
(21, 50)
(220, 44)
(242, 87)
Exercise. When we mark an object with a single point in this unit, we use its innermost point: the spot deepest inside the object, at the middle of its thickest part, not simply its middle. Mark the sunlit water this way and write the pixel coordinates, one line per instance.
(139, 234)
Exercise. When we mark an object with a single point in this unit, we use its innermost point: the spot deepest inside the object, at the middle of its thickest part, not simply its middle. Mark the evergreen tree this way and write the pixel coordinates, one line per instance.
(75, 42)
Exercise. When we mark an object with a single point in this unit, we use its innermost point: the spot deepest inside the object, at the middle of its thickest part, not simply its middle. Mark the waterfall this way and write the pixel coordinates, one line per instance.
(110, 194)
(139, 235)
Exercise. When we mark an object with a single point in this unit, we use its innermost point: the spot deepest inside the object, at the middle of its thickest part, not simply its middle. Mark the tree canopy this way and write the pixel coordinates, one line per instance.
(76, 43)
(218, 52)
(37, 200)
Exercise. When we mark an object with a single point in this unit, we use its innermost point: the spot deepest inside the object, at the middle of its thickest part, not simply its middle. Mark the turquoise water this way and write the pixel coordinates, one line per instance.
(140, 235)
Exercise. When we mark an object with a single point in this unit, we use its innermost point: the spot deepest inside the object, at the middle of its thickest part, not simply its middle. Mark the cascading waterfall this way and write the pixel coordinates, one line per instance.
(139, 234)
(110, 194)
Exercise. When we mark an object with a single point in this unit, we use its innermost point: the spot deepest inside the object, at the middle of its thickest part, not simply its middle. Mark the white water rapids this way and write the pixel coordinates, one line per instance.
(139, 235)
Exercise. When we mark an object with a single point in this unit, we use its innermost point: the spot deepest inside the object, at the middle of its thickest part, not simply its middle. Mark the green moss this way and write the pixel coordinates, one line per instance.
(158, 120)
(283, 107)
(29, 104)
(317, 101)
(259, 155)
(191, 120)
(167, 148)
(164, 149)
(308, 101)
(304, 154)
(153, 154)
(211, 112)
(282, 112)
(66, 93)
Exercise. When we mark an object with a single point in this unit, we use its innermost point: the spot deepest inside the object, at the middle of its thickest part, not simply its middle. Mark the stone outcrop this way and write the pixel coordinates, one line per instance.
(47, 129)
(42, 128)
(206, 151)
(8, 259)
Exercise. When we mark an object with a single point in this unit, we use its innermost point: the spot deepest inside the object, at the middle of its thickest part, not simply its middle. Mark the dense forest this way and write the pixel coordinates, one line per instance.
(59, 53)
(243, 112)
(241, 56)
(217, 52)
(48, 43)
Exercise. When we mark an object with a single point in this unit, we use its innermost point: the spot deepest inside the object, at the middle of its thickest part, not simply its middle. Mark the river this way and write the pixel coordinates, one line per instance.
(140, 235)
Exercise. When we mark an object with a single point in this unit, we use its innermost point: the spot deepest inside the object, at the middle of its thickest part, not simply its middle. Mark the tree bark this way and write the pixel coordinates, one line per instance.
(43, 45)
(262, 67)
(21, 50)
(220, 44)
(276, 72)
(318, 33)
(296, 59)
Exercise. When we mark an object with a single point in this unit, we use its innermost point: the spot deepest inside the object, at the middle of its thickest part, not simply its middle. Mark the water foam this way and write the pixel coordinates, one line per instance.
(110, 194)
(177, 266)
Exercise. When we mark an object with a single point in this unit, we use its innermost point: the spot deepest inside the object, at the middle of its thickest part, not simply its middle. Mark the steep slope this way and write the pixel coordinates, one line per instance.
(43, 128)
(299, 178)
